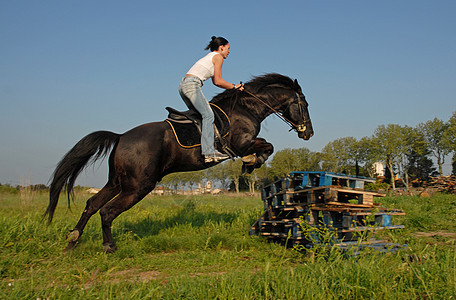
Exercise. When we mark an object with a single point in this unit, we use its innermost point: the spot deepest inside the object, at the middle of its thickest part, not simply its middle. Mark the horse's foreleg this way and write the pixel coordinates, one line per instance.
(260, 152)
(93, 204)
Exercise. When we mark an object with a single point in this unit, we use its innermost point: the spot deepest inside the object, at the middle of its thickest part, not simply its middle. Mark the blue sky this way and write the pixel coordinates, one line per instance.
(68, 68)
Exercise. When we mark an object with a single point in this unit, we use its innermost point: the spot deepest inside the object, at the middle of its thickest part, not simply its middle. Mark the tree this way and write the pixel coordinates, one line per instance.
(434, 132)
(218, 173)
(417, 164)
(288, 160)
(389, 141)
(412, 146)
(233, 170)
(264, 175)
(366, 156)
(420, 166)
(450, 139)
(341, 156)
(251, 180)
(190, 178)
(172, 181)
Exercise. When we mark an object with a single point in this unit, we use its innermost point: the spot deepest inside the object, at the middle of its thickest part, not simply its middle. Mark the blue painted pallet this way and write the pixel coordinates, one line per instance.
(306, 202)
(309, 179)
(314, 195)
(276, 187)
(355, 248)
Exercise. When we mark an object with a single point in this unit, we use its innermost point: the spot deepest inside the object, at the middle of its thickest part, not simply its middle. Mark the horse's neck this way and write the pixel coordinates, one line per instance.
(247, 105)
(260, 106)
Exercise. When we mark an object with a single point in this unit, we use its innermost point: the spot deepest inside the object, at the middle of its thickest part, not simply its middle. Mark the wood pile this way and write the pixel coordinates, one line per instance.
(303, 203)
(445, 184)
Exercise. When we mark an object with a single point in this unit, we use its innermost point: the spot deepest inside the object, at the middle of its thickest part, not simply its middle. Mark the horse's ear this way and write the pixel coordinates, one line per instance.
(296, 85)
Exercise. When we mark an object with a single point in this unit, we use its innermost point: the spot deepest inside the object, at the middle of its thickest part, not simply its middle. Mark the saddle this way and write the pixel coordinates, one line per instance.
(186, 126)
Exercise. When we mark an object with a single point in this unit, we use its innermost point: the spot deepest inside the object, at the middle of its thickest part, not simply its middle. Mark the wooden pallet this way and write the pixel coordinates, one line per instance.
(342, 231)
(309, 179)
(320, 200)
(305, 180)
(320, 195)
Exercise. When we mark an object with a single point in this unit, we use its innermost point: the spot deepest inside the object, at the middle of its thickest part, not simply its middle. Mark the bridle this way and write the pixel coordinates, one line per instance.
(298, 127)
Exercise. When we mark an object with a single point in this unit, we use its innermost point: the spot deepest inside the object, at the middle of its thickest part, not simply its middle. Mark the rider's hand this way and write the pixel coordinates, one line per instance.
(239, 87)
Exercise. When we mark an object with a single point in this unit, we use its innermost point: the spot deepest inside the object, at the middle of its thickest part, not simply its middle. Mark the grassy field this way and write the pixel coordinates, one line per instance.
(198, 247)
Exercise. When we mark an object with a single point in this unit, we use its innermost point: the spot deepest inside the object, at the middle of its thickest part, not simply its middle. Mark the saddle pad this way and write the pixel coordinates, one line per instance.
(188, 135)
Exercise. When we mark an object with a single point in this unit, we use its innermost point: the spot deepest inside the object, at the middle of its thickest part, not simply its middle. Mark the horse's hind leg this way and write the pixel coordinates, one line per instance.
(93, 204)
(124, 201)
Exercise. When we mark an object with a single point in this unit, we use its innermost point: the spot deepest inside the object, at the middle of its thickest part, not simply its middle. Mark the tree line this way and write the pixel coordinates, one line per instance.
(411, 153)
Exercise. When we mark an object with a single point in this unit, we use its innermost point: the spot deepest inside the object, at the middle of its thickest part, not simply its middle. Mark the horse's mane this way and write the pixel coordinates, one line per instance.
(257, 83)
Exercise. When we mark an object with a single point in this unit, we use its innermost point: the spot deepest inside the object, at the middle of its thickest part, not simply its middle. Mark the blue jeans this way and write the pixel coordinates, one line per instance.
(191, 93)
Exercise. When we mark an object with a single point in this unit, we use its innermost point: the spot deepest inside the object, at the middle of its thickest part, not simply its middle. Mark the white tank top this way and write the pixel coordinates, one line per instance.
(203, 68)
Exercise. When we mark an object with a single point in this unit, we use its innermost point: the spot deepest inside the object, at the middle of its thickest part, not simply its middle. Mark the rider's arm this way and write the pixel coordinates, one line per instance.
(217, 79)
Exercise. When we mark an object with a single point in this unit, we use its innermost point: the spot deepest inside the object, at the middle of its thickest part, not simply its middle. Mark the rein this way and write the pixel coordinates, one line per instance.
(277, 113)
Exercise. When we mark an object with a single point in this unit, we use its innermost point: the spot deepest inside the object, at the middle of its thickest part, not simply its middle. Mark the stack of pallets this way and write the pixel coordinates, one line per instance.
(336, 202)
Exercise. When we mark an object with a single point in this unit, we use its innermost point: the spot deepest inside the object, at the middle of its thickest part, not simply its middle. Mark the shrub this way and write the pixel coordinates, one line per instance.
(7, 189)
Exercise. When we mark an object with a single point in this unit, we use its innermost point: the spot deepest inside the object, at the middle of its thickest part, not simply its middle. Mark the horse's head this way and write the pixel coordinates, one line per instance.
(272, 93)
(294, 109)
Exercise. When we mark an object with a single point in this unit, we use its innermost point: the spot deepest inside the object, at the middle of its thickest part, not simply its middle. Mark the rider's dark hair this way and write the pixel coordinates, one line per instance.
(215, 43)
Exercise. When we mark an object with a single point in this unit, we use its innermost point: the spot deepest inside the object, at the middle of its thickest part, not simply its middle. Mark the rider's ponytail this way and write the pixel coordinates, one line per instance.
(215, 43)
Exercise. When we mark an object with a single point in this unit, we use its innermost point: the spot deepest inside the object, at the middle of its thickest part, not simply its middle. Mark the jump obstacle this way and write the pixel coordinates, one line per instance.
(297, 206)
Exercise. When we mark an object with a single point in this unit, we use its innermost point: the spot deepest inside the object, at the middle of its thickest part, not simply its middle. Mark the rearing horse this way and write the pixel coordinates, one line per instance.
(143, 155)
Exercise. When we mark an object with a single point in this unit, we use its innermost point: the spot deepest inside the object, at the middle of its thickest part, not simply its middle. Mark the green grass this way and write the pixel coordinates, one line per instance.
(199, 248)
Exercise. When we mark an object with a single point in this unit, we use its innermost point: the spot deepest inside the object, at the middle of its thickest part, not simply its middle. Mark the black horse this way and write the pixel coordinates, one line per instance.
(142, 156)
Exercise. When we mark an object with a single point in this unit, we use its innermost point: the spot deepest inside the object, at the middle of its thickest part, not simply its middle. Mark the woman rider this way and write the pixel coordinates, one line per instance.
(210, 66)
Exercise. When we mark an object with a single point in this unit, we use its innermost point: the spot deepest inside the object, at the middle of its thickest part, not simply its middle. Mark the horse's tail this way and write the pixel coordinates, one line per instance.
(90, 148)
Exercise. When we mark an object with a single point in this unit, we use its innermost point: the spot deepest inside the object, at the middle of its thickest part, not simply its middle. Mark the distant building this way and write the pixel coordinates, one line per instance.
(379, 169)
(206, 189)
(160, 190)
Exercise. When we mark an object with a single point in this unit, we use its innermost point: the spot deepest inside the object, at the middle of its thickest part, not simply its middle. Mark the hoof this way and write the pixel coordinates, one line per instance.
(73, 236)
(249, 159)
(109, 248)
